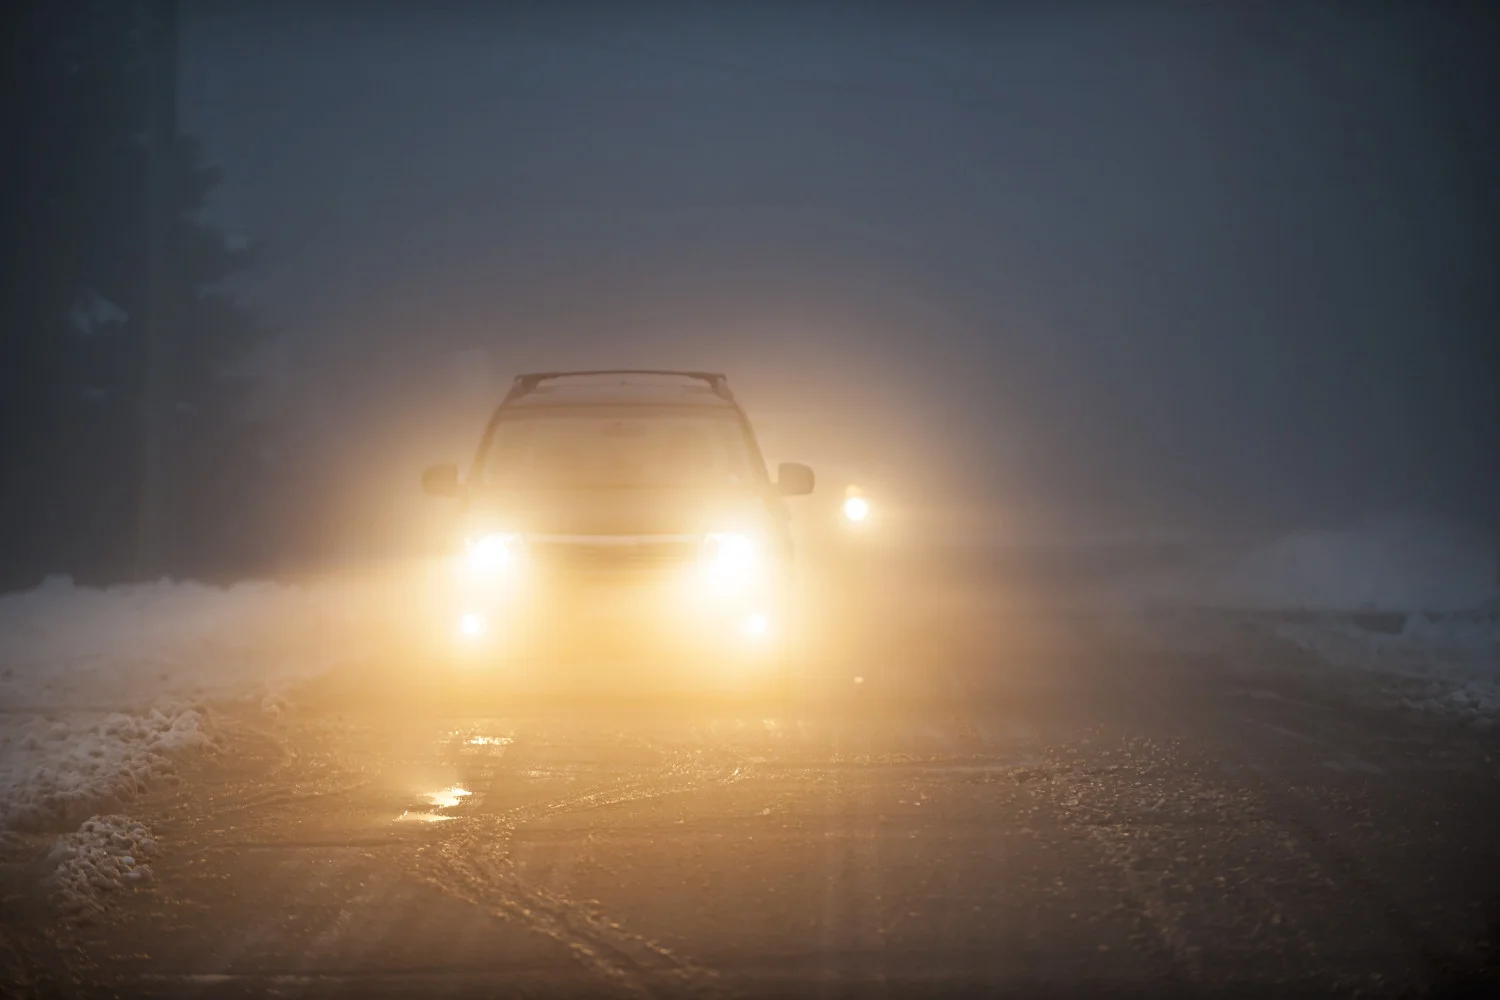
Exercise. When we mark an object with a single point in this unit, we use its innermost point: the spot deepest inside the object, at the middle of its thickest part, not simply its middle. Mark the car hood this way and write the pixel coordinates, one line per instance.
(615, 511)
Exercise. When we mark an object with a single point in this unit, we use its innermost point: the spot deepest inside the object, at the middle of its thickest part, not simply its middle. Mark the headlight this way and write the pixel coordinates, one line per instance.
(730, 555)
(856, 510)
(732, 562)
(494, 553)
(755, 625)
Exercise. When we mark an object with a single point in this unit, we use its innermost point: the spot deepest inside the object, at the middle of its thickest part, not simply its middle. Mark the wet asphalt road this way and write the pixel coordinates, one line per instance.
(1062, 813)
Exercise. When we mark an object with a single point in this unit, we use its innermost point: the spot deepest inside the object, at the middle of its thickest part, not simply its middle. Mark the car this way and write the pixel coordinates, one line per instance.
(616, 518)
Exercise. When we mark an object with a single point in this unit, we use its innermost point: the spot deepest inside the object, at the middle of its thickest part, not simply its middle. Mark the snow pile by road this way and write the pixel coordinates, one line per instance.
(131, 646)
(103, 688)
(1410, 604)
(56, 771)
(105, 854)
(1447, 663)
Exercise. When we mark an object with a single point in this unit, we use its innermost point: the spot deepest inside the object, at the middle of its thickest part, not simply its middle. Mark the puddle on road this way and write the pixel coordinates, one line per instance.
(443, 798)
(477, 737)
(421, 817)
(447, 798)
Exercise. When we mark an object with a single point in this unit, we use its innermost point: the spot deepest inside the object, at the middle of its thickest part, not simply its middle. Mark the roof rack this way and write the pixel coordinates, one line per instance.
(530, 381)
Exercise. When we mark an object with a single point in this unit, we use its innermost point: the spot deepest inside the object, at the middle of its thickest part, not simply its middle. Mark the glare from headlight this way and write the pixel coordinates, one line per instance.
(856, 510)
(756, 625)
(731, 555)
(493, 553)
(472, 625)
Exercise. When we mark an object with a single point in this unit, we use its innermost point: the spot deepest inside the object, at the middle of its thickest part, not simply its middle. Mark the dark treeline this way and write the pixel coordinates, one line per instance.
(128, 451)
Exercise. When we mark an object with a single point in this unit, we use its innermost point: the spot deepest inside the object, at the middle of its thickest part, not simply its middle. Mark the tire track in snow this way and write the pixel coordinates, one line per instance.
(476, 864)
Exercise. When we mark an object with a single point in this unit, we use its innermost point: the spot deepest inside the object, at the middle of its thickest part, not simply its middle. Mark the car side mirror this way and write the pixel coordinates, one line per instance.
(441, 481)
(793, 479)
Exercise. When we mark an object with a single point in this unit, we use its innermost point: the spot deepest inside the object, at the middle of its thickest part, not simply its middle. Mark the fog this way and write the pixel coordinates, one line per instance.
(1141, 634)
(1082, 270)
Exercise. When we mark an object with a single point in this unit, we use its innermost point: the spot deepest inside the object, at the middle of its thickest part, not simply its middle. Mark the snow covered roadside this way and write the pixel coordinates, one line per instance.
(1409, 607)
(59, 767)
(106, 853)
(1445, 663)
(103, 691)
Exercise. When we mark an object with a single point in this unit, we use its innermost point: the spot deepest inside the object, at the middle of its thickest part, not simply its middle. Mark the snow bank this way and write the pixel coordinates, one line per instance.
(1408, 603)
(102, 688)
(1448, 663)
(55, 771)
(105, 854)
(122, 647)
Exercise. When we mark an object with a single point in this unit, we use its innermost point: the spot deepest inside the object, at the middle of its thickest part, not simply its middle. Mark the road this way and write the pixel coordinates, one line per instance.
(1056, 809)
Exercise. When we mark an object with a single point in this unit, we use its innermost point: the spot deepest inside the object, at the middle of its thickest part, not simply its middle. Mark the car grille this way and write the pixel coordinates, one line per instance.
(567, 557)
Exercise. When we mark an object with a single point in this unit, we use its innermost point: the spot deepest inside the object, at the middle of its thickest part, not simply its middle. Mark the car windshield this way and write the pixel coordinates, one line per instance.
(619, 447)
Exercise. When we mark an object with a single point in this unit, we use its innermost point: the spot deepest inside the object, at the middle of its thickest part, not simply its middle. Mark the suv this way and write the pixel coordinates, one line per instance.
(611, 512)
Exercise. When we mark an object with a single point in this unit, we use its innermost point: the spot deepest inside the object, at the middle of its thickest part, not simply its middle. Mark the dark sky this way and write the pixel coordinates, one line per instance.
(1222, 266)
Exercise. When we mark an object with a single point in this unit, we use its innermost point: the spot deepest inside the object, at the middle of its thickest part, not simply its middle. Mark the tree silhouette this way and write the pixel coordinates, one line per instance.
(73, 388)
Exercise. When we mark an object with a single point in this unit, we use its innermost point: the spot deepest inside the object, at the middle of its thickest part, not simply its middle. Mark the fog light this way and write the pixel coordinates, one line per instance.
(756, 625)
(472, 625)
